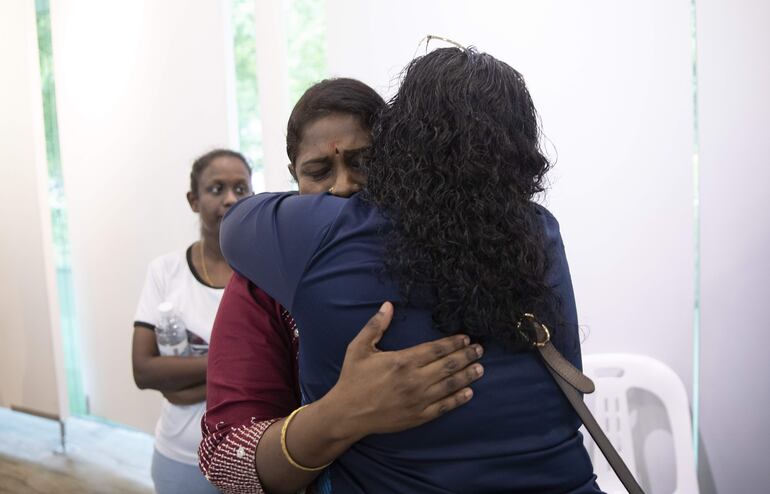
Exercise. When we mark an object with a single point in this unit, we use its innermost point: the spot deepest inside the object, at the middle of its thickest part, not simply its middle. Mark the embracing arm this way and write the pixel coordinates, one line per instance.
(152, 371)
(252, 385)
(377, 392)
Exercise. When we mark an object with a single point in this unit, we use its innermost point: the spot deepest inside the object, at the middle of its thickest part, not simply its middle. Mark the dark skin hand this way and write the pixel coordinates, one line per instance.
(165, 374)
(187, 396)
(377, 392)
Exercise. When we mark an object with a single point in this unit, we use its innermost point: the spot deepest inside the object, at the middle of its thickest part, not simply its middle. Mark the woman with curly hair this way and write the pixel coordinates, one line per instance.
(446, 229)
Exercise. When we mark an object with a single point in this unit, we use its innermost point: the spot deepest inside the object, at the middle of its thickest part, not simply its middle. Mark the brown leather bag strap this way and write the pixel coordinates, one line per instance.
(573, 382)
(568, 372)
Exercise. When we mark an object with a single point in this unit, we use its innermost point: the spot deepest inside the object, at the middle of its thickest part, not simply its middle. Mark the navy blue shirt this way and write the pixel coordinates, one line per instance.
(320, 256)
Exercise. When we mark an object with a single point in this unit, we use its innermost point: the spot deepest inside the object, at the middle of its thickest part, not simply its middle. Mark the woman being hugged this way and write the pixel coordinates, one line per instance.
(189, 283)
(252, 380)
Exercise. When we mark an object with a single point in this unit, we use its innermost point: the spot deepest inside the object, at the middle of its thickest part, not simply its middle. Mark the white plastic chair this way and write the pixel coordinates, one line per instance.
(643, 408)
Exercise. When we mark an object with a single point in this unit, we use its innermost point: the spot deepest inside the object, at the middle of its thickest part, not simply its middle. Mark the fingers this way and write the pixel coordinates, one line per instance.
(450, 364)
(171, 397)
(432, 351)
(447, 404)
(372, 332)
(454, 382)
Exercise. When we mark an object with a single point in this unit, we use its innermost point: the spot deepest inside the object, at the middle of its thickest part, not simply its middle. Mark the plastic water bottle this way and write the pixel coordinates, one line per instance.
(171, 333)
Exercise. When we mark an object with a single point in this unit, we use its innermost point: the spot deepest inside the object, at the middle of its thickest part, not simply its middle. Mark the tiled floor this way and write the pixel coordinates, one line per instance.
(99, 458)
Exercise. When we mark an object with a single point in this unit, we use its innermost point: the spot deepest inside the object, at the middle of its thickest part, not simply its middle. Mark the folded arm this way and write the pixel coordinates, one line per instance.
(153, 371)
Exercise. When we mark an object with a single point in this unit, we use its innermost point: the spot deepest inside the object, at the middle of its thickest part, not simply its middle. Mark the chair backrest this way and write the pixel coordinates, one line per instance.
(643, 408)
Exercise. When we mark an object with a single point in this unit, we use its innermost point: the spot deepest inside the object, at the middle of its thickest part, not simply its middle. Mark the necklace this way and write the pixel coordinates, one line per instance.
(203, 265)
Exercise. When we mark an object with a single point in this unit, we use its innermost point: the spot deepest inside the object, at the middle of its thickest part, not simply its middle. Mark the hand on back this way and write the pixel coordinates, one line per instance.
(382, 392)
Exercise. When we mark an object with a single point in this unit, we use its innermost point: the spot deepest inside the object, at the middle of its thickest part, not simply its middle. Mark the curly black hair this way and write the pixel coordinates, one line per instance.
(454, 165)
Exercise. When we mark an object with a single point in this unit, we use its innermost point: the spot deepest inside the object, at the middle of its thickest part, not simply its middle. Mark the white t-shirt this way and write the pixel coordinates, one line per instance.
(171, 278)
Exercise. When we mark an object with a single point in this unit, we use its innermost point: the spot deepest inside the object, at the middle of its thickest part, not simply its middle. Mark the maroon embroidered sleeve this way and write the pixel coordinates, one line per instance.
(251, 382)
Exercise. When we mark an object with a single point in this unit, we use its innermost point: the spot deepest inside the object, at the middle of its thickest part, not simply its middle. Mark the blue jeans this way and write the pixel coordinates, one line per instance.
(173, 477)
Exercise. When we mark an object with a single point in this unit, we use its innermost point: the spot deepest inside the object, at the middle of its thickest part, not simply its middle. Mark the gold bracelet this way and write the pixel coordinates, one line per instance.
(286, 450)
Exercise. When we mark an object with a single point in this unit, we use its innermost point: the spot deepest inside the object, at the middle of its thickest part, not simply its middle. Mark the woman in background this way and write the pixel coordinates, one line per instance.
(193, 280)
(252, 376)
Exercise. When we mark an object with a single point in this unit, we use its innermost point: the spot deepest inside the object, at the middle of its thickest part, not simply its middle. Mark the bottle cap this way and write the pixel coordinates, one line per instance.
(165, 308)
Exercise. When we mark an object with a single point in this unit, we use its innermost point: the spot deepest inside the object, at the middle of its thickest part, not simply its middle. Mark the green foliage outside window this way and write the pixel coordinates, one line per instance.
(306, 49)
(306, 32)
(247, 93)
(59, 224)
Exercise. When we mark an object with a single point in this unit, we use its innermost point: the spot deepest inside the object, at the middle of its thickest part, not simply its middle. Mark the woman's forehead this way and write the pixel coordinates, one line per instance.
(335, 131)
(224, 167)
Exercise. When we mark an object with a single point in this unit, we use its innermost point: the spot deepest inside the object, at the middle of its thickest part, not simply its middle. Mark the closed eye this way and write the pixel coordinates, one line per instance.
(318, 175)
(317, 168)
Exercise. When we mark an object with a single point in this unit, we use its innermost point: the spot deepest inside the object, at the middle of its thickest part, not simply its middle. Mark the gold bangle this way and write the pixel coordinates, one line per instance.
(286, 450)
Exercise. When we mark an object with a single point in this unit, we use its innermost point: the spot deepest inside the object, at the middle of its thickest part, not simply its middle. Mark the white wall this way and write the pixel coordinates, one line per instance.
(31, 371)
(734, 111)
(611, 80)
(142, 91)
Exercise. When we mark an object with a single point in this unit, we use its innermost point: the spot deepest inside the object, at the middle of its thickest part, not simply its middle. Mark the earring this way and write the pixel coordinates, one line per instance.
(331, 190)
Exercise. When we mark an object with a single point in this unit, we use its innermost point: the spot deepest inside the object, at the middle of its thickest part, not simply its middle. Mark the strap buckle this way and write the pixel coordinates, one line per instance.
(542, 334)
